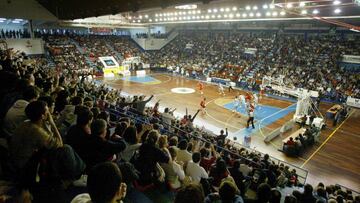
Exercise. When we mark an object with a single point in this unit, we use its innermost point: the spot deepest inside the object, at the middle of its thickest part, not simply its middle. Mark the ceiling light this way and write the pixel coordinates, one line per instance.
(231, 15)
(255, 8)
(337, 11)
(289, 5)
(302, 4)
(193, 12)
(268, 13)
(187, 6)
(198, 11)
(244, 15)
(227, 9)
(275, 14)
(247, 8)
(215, 10)
(304, 12)
(156, 15)
(225, 16)
(238, 15)
(258, 14)
(219, 16)
(189, 12)
(212, 16)
(315, 11)
(251, 14)
(337, 2)
(156, 19)
(193, 17)
(234, 8)
(272, 6)
(282, 13)
(222, 9)
(140, 16)
(150, 20)
(207, 16)
(209, 10)
(180, 18)
(265, 6)
(161, 15)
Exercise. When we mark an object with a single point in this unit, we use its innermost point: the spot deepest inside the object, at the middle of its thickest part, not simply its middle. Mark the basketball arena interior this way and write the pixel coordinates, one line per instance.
(133, 101)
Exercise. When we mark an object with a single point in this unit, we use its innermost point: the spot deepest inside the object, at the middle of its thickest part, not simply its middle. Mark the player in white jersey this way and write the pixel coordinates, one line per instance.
(242, 100)
(221, 89)
(256, 100)
(236, 104)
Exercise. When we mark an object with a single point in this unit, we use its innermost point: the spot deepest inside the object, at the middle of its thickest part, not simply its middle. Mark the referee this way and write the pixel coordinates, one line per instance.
(250, 119)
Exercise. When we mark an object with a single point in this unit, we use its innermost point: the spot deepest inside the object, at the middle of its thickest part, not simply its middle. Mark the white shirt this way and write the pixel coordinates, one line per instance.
(184, 156)
(15, 116)
(196, 172)
(178, 170)
(245, 169)
(83, 198)
(129, 151)
(167, 118)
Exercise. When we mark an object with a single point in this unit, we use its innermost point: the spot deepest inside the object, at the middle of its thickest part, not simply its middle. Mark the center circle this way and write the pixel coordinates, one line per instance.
(182, 90)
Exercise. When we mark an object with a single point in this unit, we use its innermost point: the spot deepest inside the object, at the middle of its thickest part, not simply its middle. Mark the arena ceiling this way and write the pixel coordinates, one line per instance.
(150, 12)
(75, 9)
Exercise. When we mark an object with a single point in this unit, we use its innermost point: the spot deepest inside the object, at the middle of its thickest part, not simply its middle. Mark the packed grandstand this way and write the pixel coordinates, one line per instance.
(64, 134)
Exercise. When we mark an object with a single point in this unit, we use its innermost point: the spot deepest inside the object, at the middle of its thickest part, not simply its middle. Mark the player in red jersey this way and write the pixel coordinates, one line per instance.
(201, 87)
(203, 106)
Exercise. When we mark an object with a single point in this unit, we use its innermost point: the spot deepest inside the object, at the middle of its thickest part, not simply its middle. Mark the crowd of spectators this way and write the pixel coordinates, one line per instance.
(8, 34)
(310, 62)
(65, 54)
(57, 128)
(157, 35)
(296, 59)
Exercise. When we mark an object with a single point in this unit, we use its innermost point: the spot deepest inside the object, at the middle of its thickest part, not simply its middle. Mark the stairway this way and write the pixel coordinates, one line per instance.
(118, 56)
(81, 50)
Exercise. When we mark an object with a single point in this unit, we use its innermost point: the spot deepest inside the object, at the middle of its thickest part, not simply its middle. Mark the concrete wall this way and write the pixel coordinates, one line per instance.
(154, 44)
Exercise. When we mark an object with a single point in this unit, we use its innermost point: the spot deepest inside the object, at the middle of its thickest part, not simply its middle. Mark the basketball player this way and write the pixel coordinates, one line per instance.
(221, 89)
(256, 100)
(201, 87)
(236, 104)
(242, 100)
(262, 91)
(203, 106)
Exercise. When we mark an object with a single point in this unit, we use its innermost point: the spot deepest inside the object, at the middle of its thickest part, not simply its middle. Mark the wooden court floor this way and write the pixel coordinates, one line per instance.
(335, 159)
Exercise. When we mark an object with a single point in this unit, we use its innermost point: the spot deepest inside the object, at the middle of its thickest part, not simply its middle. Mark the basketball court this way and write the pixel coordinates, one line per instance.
(321, 160)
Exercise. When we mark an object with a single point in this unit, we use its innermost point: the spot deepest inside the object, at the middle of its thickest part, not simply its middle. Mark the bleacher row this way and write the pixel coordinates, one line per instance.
(56, 128)
(221, 54)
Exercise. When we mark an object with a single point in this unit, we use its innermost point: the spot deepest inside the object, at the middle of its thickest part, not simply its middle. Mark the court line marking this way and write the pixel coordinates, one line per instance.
(327, 139)
(222, 122)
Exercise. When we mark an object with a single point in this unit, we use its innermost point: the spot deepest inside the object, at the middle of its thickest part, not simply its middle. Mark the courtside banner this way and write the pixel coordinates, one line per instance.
(354, 102)
(351, 59)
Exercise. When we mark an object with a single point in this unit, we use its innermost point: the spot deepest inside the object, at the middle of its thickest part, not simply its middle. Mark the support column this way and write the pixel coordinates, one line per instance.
(31, 29)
